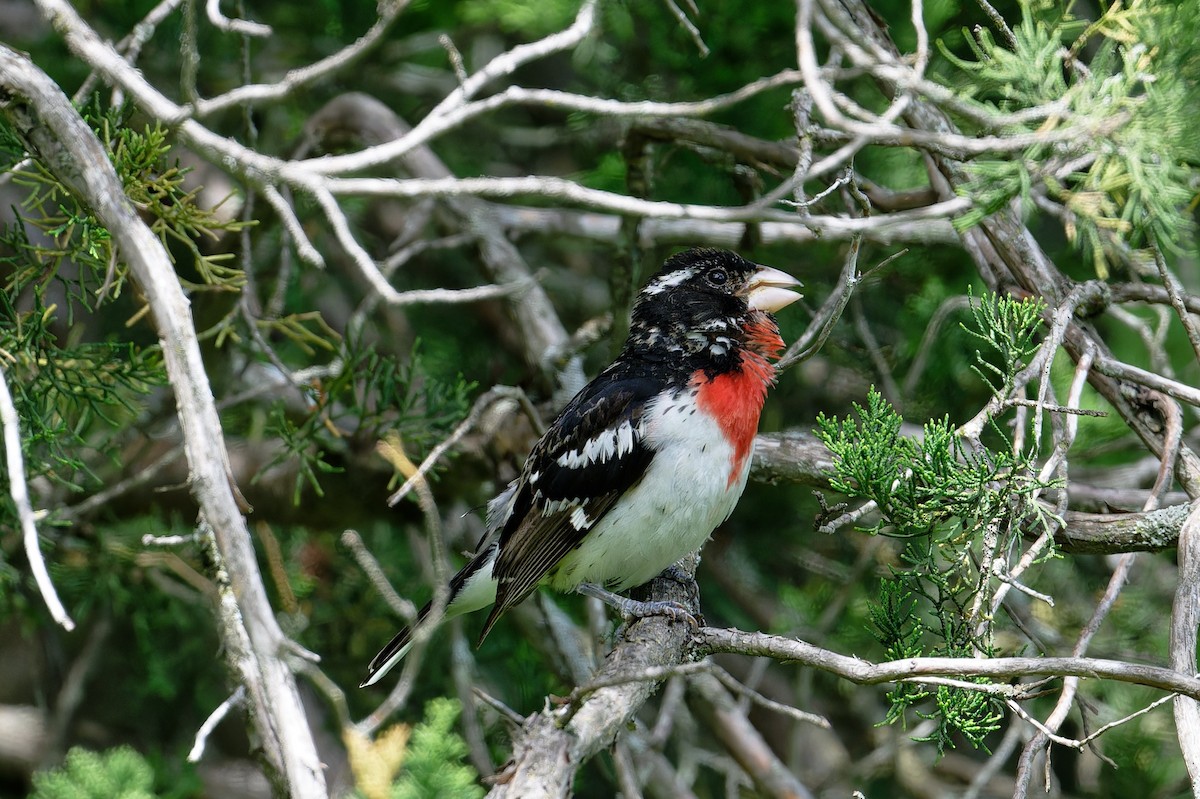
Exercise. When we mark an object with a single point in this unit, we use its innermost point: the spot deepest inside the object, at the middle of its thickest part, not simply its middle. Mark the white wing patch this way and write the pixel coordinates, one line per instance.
(603, 447)
(625, 438)
(553, 506)
(579, 519)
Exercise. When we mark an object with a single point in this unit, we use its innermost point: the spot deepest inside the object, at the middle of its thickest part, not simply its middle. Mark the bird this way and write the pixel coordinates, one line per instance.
(641, 466)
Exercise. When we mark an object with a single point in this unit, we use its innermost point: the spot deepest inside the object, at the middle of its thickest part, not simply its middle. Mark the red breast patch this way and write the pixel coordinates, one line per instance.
(735, 399)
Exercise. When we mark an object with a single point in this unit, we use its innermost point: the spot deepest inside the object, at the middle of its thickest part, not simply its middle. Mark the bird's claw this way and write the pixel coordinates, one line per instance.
(636, 609)
(672, 610)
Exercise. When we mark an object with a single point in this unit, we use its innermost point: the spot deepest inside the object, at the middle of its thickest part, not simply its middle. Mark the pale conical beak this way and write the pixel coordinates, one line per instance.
(770, 290)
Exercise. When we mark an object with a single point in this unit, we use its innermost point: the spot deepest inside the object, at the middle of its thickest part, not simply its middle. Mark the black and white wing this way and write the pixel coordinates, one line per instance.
(593, 453)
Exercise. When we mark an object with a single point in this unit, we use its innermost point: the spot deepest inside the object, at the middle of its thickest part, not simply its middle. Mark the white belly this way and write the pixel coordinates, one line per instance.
(686, 492)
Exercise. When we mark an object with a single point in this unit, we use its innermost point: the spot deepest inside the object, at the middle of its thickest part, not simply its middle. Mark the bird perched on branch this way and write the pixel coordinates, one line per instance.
(643, 464)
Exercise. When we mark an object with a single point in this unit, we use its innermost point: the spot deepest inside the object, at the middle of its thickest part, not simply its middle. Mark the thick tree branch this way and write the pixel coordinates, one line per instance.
(605, 227)
(1185, 619)
(62, 141)
(554, 743)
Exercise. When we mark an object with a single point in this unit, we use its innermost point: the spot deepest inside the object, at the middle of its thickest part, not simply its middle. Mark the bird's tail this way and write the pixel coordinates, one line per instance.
(471, 589)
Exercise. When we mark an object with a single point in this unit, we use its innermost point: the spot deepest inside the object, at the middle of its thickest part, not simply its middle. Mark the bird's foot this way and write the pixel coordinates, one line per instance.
(636, 609)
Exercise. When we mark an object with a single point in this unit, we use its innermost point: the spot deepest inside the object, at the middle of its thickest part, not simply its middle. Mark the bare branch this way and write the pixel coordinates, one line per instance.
(688, 26)
(370, 566)
(830, 312)
(55, 132)
(745, 743)
(552, 744)
(483, 403)
(999, 22)
(711, 640)
(884, 230)
(942, 142)
(1176, 292)
(222, 710)
(243, 26)
(569, 191)
(252, 95)
(455, 107)
(1110, 366)
(1185, 618)
(1148, 292)
(304, 247)
(19, 491)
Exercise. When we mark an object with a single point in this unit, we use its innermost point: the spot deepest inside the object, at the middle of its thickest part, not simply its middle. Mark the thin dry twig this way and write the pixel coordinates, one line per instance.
(817, 333)
(711, 640)
(733, 684)
(212, 8)
(1176, 293)
(686, 23)
(999, 22)
(485, 401)
(370, 566)
(19, 490)
(250, 95)
(220, 712)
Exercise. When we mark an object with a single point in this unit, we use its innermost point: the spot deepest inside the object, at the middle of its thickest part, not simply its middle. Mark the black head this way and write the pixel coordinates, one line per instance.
(701, 300)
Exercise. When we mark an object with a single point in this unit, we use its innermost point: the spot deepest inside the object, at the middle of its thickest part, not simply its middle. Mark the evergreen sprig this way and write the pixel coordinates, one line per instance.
(422, 762)
(920, 484)
(1007, 328)
(119, 773)
(1120, 93)
(433, 768)
(70, 233)
(957, 505)
(372, 397)
(70, 397)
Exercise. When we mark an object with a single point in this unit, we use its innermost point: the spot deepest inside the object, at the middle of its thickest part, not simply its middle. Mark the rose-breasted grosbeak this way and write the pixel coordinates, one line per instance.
(643, 464)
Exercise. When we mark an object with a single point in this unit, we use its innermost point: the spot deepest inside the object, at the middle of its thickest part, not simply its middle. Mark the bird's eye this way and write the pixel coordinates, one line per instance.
(718, 277)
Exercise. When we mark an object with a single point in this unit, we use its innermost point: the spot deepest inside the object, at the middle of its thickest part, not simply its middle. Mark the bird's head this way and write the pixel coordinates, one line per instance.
(704, 300)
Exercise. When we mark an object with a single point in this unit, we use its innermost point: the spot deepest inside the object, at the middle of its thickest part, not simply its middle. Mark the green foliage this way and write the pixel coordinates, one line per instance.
(1125, 122)
(119, 773)
(373, 396)
(156, 188)
(110, 575)
(972, 714)
(428, 758)
(65, 392)
(946, 500)
(529, 18)
(1006, 326)
(920, 484)
(898, 630)
(957, 505)
(433, 768)
(73, 396)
